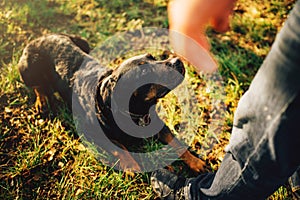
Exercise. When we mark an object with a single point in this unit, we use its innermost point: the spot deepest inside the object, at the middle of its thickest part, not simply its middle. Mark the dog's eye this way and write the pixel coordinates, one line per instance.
(149, 56)
(142, 63)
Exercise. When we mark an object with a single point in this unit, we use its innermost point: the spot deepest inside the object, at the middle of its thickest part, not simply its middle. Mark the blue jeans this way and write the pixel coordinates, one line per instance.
(263, 151)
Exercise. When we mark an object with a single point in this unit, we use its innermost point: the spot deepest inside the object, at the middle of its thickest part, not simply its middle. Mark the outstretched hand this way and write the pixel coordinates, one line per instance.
(188, 21)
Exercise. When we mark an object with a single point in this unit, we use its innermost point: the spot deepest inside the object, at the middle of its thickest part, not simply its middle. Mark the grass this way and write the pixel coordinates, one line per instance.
(44, 158)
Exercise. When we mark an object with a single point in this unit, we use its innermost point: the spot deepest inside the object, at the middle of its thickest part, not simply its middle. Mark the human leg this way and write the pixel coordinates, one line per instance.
(263, 148)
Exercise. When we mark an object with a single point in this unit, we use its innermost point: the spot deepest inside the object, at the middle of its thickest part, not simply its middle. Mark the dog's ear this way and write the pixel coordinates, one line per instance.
(107, 86)
(111, 83)
(80, 42)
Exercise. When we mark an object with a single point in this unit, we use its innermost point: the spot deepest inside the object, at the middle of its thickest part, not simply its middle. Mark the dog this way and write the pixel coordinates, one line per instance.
(52, 63)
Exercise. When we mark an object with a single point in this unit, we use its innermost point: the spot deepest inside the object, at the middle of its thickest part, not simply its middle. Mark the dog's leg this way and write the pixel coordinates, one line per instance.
(127, 163)
(196, 164)
(41, 102)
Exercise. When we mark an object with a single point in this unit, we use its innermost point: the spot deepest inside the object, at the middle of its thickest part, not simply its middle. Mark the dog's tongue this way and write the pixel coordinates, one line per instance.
(193, 52)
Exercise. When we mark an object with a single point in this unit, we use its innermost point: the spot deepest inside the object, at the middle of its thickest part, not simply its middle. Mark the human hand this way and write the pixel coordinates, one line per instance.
(188, 21)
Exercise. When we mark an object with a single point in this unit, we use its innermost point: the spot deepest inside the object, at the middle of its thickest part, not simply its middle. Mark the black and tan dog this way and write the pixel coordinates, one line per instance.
(51, 64)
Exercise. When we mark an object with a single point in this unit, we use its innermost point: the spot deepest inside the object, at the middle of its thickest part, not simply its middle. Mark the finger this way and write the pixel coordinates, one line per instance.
(221, 20)
(221, 24)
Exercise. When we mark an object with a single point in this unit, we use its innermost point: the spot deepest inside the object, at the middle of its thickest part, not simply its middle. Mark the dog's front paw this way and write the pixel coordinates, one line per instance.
(41, 102)
(41, 105)
(195, 164)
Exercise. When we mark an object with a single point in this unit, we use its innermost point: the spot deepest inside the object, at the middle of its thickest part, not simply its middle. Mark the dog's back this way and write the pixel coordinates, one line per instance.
(49, 63)
(49, 54)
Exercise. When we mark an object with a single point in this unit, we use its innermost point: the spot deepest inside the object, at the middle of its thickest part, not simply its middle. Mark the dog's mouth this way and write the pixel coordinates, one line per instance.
(162, 94)
(171, 76)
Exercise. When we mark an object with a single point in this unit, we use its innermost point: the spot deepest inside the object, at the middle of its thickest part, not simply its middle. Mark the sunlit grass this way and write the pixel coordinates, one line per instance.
(44, 158)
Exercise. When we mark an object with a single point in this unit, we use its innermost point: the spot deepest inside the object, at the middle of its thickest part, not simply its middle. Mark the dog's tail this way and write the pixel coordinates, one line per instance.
(80, 42)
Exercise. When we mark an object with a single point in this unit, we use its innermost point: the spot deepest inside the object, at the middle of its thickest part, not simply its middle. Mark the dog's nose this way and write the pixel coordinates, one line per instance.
(176, 61)
(177, 64)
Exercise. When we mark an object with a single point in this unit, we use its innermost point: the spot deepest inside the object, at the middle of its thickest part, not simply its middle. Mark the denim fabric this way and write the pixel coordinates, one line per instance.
(263, 151)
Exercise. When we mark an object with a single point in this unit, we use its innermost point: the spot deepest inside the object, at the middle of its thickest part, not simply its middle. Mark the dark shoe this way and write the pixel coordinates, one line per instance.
(169, 186)
(294, 183)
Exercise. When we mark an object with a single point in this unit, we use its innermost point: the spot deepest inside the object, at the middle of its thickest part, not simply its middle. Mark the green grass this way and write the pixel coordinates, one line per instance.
(44, 158)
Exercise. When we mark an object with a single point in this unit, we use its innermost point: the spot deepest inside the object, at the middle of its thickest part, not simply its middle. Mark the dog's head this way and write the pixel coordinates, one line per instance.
(142, 79)
(152, 79)
(146, 80)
